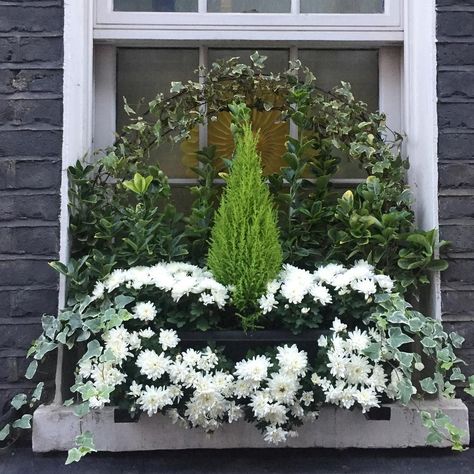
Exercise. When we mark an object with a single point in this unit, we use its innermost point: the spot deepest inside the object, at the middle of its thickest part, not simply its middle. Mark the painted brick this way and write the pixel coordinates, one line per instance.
(31, 80)
(22, 19)
(460, 236)
(458, 146)
(33, 303)
(19, 336)
(450, 115)
(29, 174)
(27, 272)
(456, 84)
(459, 270)
(457, 24)
(5, 303)
(42, 207)
(31, 113)
(454, 207)
(458, 303)
(459, 54)
(29, 240)
(454, 3)
(30, 143)
(456, 175)
(32, 49)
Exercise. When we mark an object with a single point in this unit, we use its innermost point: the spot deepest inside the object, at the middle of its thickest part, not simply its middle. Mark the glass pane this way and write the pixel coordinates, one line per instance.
(272, 131)
(156, 5)
(143, 72)
(360, 68)
(249, 6)
(342, 6)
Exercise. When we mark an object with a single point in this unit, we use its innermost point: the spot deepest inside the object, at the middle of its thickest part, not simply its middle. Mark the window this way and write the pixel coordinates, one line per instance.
(142, 45)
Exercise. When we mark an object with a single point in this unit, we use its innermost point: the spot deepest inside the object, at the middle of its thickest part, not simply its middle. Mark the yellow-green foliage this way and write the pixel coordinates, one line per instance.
(245, 250)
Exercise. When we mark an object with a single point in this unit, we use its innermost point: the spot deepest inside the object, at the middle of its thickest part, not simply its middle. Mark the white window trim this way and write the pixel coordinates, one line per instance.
(295, 26)
(418, 94)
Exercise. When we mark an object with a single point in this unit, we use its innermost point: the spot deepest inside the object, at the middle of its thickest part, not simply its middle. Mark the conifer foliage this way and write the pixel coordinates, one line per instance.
(245, 250)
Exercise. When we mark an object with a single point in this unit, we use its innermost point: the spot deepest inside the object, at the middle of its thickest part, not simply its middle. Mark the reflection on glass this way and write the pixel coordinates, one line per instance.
(342, 6)
(249, 6)
(155, 5)
(359, 68)
(144, 72)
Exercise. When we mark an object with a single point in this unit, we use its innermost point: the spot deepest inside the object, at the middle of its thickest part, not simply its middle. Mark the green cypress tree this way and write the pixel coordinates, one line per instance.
(245, 250)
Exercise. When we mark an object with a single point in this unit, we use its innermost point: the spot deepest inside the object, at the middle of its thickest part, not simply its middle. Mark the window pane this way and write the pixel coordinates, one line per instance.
(156, 5)
(249, 6)
(359, 68)
(342, 6)
(144, 72)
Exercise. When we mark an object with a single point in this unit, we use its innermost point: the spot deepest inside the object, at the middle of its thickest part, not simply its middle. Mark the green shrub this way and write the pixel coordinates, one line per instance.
(245, 250)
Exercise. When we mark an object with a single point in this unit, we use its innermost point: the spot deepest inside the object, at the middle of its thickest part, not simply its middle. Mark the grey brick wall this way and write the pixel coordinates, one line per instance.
(31, 60)
(455, 35)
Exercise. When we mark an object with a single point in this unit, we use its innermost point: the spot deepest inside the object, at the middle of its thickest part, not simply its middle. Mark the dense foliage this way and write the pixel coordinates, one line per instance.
(111, 223)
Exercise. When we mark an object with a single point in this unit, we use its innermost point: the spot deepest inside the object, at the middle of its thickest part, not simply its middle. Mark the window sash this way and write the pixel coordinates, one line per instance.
(110, 24)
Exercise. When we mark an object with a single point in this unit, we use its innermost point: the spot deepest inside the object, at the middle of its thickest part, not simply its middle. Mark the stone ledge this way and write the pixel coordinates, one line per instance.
(55, 427)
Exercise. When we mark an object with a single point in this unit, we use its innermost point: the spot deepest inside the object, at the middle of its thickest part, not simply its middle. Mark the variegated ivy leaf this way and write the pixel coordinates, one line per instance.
(31, 370)
(23, 423)
(19, 400)
(38, 391)
(4, 432)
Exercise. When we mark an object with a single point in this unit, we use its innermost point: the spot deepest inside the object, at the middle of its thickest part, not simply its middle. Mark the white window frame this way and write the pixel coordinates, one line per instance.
(415, 30)
(204, 26)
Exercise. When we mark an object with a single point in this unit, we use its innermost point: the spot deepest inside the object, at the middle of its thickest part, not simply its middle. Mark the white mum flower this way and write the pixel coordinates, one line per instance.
(267, 303)
(146, 333)
(115, 279)
(305, 310)
(361, 270)
(357, 370)
(292, 360)
(322, 341)
(168, 339)
(307, 398)
(153, 399)
(152, 365)
(367, 398)
(358, 340)
(283, 388)
(98, 291)
(260, 403)
(275, 435)
(206, 299)
(378, 379)
(135, 389)
(327, 273)
(366, 287)
(144, 311)
(320, 294)
(276, 414)
(338, 326)
(254, 369)
(385, 282)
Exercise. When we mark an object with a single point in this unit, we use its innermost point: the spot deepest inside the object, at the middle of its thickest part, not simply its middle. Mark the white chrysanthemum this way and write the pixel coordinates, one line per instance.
(85, 368)
(244, 388)
(338, 326)
(138, 277)
(305, 310)
(367, 398)
(292, 360)
(105, 375)
(385, 282)
(153, 399)
(134, 341)
(337, 364)
(191, 357)
(146, 333)
(276, 414)
(161, 277)
(234, 412)
(357, 370)
(115, 279)
(208, 360)
(275, 435)
(97, 402)
(366, 287)
(168, 339)
(283, 388)
(323, 341)
(327, 273)
(183, 286)
(273, 286)
(260, 403)
(144, 311)
(307, 398)
(357, 340)
(320, 294)
(254, 369)
(267, 303)
(378, 379)
(206, 299)
(152, 365)
(361, 270)
(135, 389)
(98, 291)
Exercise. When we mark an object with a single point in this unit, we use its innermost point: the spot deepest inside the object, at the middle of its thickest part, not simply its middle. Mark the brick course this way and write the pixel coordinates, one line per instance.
(31, 61)
(455, 48)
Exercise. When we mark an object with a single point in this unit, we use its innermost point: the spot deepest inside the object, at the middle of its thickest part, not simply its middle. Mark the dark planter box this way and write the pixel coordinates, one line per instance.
(236, 344)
